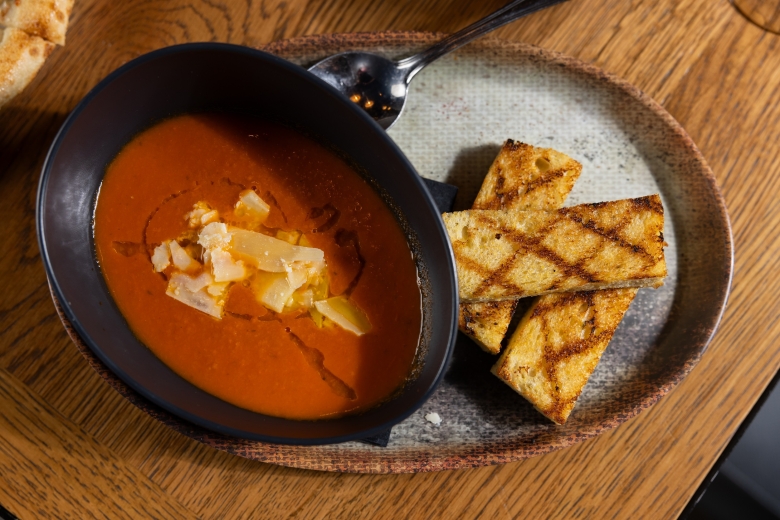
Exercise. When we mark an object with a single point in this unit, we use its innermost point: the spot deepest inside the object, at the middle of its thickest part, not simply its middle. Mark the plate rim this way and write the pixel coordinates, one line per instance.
(412, 461)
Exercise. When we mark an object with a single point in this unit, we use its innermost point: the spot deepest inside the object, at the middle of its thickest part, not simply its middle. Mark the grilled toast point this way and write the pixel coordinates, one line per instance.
(504, 255)
(557, 346)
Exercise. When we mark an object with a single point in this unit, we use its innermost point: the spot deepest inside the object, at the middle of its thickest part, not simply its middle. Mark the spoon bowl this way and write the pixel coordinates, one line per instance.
(374, 83)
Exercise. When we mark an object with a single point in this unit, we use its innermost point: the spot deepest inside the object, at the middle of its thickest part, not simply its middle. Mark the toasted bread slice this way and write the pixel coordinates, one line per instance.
(504, 255)
(521, 177)
(557, 345)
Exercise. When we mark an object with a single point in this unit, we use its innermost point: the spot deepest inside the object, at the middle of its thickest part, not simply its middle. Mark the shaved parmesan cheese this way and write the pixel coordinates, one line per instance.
(304, 299)
(316, 272)
(214, 235)
(181, 259)
(217, 289)
(284, 276)
(317, 317)
(199, 209)
(297, 277)
(226, 269)
(344, 314)
(269, 253)
(161, 258)
(199, 282)
(319, 286)
(211, 216)
(200, 299)
(272, 290)
(290, 237)
(250, 203)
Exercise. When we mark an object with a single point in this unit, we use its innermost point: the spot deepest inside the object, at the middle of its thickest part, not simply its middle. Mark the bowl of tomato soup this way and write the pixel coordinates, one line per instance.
(247, 249)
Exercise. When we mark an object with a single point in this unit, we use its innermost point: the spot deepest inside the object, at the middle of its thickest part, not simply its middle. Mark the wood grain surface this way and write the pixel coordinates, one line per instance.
(72, 447)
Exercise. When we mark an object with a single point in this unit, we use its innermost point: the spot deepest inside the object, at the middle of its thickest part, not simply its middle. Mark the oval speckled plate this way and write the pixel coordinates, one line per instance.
(459, 112)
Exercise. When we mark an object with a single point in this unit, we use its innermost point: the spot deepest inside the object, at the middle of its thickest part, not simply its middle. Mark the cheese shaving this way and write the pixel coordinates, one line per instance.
(282, 275)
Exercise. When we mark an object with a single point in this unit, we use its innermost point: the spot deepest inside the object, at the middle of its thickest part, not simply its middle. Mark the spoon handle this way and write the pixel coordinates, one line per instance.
(503, 16)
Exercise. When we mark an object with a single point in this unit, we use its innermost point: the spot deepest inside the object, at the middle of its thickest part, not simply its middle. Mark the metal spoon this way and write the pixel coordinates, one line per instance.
(379, 85)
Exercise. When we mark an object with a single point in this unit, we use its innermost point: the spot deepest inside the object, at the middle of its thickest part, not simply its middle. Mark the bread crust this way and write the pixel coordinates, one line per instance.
(21, 57)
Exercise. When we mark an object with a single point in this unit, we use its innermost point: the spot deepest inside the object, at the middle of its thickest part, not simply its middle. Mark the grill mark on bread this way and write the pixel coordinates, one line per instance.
(556, 410)
(484, 271)
(609, 234)
(565, 298)
(504, 199)
(532, 246)
(554, 358)
(470, 314)
(496, 276)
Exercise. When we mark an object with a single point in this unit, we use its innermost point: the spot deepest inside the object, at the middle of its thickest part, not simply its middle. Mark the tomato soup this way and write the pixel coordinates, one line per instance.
(288, 358)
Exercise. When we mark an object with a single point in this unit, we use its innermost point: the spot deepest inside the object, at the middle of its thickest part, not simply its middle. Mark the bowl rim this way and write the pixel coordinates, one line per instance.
(302, 73)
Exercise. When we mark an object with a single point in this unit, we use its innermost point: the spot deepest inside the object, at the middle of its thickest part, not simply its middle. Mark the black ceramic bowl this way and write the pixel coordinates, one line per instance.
(218, 77)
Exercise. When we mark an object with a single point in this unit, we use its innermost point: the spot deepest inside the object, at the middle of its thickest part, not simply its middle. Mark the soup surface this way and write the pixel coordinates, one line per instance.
(285, 363)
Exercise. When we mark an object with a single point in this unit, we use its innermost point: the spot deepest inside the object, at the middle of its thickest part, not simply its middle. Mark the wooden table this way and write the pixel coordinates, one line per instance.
(72, 447)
